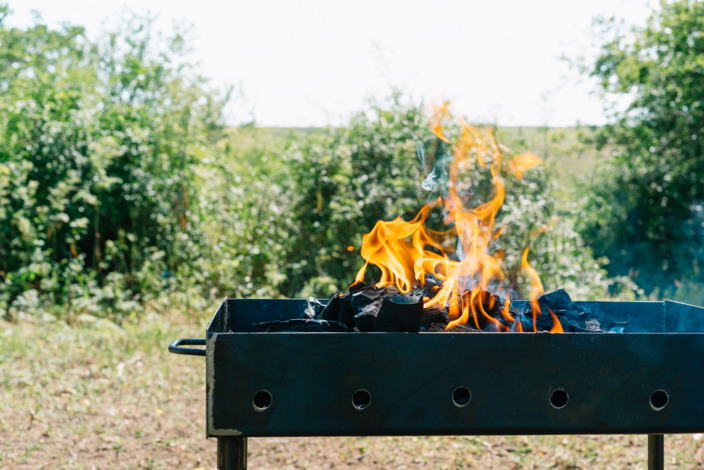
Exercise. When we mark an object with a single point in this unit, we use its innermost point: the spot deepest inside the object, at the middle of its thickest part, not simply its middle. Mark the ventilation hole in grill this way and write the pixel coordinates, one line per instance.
(461, 396)
(559, 398)
(361, 399)
(262, 400)
(659, 400)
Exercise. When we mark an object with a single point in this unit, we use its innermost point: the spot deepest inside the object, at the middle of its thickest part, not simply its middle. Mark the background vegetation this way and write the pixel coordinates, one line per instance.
(120, 183)
(645, 210)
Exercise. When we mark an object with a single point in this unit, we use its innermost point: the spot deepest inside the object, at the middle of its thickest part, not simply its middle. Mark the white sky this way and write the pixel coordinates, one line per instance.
(313, 63)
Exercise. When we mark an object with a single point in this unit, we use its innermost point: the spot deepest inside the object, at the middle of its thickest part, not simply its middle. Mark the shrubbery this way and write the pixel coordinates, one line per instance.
(645, 211)
(98, 148)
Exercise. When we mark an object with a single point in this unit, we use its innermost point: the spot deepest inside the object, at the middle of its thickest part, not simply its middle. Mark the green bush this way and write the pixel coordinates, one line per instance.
(97, 155)
(645, 210)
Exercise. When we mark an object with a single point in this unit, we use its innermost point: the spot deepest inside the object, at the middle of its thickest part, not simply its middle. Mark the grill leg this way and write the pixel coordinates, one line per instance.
(656, 452)
(232, 453)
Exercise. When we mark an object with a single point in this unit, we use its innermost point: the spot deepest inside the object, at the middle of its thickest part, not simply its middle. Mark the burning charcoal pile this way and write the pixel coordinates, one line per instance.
(368, 308)
(448, 280)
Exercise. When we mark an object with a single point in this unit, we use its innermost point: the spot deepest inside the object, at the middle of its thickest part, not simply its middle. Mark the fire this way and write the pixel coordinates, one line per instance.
(536, 287)
(407, 252)
(523, 162)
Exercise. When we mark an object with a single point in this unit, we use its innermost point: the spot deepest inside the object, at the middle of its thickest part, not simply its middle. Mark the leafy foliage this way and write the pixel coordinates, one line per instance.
(646, 211)
(97, 158)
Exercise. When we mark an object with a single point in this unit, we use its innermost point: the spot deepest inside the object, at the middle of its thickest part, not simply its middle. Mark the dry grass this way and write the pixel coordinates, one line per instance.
(97, 396)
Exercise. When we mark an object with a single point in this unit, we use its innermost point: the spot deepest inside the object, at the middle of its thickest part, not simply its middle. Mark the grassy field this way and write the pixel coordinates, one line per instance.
(94, 395)
(561, 148)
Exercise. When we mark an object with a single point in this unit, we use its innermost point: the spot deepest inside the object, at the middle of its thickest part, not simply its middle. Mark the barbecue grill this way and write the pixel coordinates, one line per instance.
(644, 379)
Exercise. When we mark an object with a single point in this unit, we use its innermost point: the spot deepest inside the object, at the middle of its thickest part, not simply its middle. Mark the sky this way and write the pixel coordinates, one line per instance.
(315, 63)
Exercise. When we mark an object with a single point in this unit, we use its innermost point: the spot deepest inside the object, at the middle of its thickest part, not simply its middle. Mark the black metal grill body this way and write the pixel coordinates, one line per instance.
(647, 380)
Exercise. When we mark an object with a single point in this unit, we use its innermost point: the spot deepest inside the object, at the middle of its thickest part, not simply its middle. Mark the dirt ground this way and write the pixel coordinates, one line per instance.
(97, 396)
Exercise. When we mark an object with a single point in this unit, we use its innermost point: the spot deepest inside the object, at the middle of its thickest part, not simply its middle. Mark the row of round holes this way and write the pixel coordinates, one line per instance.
(658, 399)
(361, 399)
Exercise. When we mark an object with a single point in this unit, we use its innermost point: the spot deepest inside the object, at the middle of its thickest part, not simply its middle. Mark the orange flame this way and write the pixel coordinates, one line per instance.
(520, 163)
(440, 113)
(406, 252)
(556, 325)
(536, 290)
(536, 287)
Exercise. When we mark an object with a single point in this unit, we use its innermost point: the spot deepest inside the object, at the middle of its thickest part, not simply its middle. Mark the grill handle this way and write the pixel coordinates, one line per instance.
(176, 348)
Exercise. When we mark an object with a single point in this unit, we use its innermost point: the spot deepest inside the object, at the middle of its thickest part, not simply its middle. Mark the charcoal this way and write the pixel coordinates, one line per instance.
(357, 286)
(521, 317)
(557, 301)
(504, 321)
(313, 308)
(332, 309)
(436, 327)
(492, 303)
(486, 302)
(361, 298)
(592, 325)
(431, 280)
(302, 325)
(442, 326)
(369, 308)
(574, 320)
(544, 321)
(526, 321)
(580, 322)
(431, 286)
(512, 312)
(366, 303)
(570, 314)
(366, 319)
(400, 313)
(431, 317)
(515, 311)
(346, 311)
